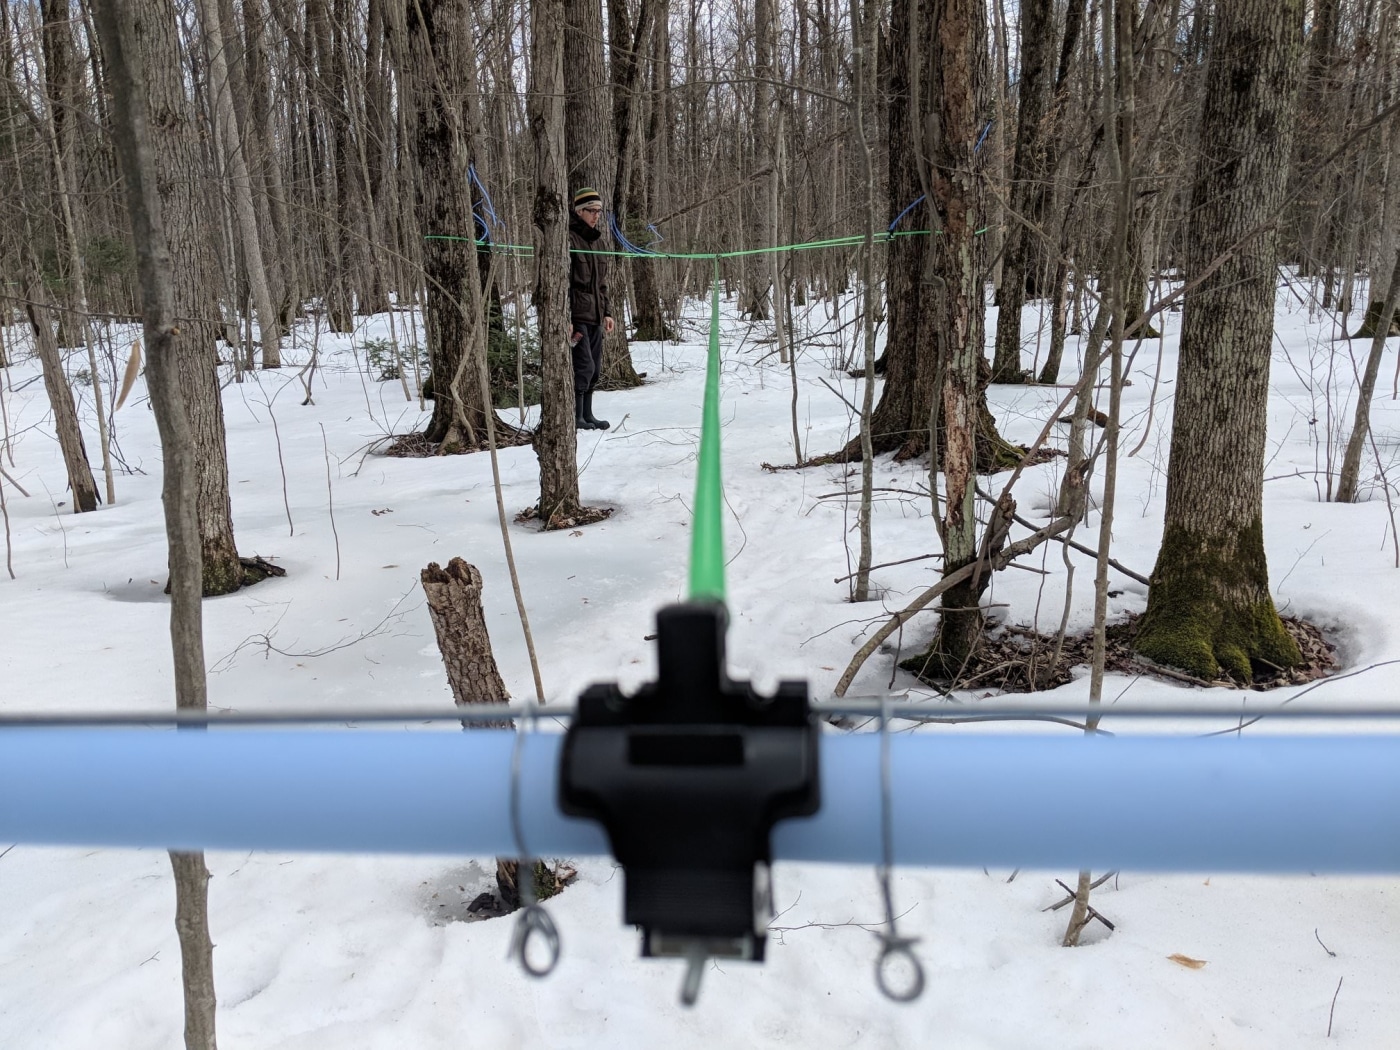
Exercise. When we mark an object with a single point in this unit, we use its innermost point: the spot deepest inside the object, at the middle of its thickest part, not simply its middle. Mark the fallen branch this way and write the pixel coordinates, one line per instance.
(13, 482)
(995, 561)
(1073, 545)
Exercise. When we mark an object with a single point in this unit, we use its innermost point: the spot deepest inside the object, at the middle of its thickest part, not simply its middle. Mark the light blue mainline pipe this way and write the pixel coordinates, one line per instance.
(1265, 804)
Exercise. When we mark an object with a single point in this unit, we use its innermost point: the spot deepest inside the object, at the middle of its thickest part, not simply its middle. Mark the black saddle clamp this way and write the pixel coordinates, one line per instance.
(688, 776)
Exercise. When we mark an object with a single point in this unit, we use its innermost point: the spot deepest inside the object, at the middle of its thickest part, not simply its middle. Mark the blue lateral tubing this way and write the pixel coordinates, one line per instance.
(1268, 804)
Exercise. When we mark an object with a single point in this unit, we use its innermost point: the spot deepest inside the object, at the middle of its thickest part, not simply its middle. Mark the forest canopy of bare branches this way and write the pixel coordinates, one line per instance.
(714, 126)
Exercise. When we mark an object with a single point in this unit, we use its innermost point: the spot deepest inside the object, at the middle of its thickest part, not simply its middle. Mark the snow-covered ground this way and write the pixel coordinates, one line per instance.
(354, 951)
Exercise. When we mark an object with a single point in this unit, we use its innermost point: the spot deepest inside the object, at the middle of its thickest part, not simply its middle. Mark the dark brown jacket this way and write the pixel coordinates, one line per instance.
(588, 275)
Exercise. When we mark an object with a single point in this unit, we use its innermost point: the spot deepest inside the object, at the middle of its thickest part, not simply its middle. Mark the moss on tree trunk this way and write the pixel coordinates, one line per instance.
(1210, 611)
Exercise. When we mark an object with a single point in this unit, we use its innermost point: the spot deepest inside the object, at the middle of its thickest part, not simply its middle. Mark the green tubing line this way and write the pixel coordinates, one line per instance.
(527, 249)
(707, 531)
(851, 241)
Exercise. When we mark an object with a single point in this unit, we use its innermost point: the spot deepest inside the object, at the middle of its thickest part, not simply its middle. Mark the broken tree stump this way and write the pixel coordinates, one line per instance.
(454, 603)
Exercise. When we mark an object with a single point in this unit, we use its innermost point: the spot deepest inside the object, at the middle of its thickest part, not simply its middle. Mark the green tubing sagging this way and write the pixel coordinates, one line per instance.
(707, 532)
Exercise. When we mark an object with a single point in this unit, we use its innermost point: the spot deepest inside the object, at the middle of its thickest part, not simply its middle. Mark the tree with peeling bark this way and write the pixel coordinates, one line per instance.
(1209, 608)
(908, 419)
(953, 313)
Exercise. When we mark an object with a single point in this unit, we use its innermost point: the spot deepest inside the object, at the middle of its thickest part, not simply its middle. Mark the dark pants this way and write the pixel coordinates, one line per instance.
(588, 357)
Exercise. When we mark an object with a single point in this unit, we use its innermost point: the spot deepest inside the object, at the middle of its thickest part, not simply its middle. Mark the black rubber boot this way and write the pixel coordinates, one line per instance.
(596, 424)
(580, 423)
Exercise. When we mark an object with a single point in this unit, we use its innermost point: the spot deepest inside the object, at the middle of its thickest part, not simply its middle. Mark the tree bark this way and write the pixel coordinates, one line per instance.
(556, 443)
(625, 41)
(1027, 170)
(120, 26)
(230, 131)
(862, 66)
(65, 180)
(196, 948)
(915, 344)
(279, 242)
(1208, 607)
(1386, 234)
(955, 295)
(59, 63)
(648, 188)
(454, 604)
(178, 161)
(82, 485)
(439, 35)
(1351, 461)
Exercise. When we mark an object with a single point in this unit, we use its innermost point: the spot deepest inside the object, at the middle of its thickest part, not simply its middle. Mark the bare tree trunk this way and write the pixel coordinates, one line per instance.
(70, 437)
(1384, 237)
(196, 948)
(1028, 170)
(1351, 461)
(323, 30)
(279, 244)
(649, 187)
(957, 62)
(625, 41)
(226, 123)
(439, 35)
(917, 344)
(556, 443)
(1209, 607)
(66, 185)
(180, 495)
(863, 26)
(173, 138)
(59, 83)
(1119, 101)
(1045, 195)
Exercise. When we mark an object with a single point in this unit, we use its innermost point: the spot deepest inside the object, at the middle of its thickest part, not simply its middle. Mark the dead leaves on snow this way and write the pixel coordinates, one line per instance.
(1187, 961)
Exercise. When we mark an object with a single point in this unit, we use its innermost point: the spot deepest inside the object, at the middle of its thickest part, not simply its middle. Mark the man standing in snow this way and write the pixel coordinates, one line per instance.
(589, 310)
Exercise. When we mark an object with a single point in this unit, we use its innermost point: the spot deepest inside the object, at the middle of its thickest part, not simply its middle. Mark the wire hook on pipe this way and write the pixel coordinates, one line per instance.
(533, 919)
(894, 948)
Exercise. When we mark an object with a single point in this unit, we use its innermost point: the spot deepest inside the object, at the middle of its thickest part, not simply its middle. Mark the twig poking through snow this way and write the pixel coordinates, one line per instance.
(330, 507)
(9, 549)
(1089, 908)
(1334, 1006)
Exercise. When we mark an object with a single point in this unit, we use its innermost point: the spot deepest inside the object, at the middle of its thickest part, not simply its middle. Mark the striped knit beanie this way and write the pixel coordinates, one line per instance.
(586, 196)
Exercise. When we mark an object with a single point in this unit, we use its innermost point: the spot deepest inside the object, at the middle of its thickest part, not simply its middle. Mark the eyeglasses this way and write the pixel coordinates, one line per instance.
(592, 211)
